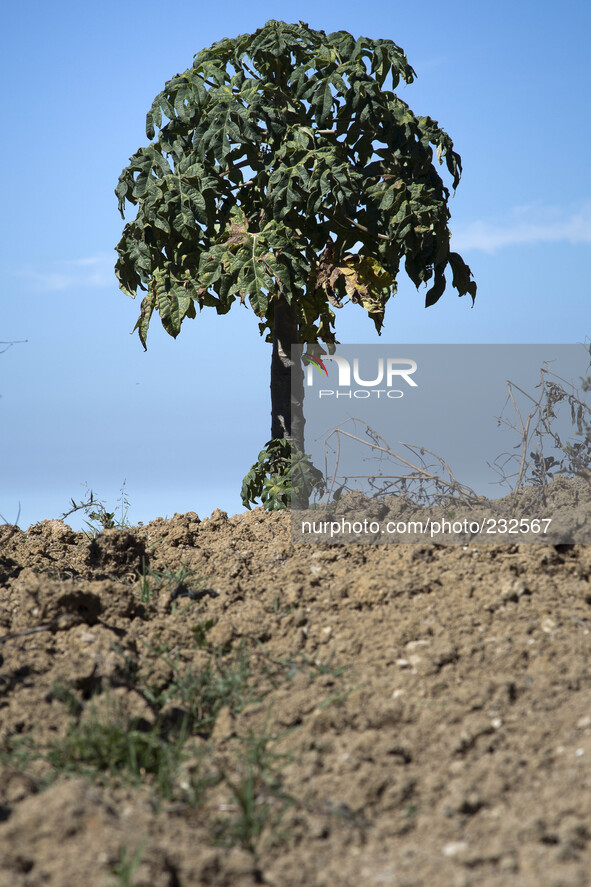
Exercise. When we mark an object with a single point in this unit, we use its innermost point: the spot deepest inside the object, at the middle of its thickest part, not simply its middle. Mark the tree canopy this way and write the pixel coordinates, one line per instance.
(282, 165)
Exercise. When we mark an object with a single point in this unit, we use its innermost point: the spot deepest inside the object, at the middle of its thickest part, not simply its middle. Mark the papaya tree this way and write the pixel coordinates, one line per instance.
(285, 173)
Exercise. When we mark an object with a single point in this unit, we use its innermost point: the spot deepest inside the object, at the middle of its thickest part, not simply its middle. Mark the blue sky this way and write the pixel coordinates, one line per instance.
(81, 403)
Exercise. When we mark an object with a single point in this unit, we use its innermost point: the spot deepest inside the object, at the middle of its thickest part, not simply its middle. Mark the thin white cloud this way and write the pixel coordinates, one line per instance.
(90, 271)
(526, 225)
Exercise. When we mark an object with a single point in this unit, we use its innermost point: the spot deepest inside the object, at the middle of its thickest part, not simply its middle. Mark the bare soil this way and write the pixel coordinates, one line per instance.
(205, 703)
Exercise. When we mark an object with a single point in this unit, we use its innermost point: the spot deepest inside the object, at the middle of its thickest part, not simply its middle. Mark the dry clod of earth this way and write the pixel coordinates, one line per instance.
(202, 702)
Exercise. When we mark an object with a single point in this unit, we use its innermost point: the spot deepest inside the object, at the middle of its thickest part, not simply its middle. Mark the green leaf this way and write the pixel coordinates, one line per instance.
(462, 276)
(437, 290)
(387, 199)
(162, 223)
(153, 119)
(143, 321)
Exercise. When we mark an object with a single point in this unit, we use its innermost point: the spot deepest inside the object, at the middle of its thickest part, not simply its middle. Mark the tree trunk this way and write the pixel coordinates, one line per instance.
(287, 405)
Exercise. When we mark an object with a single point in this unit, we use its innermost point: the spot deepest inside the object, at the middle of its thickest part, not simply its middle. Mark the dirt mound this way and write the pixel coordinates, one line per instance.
(558, 513)
(202, 702)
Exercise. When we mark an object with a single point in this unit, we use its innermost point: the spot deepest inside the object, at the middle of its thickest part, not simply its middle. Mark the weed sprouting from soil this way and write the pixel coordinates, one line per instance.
(99, 517)
(182, 582)
(168, 745)
(127, 865)
(254, 781)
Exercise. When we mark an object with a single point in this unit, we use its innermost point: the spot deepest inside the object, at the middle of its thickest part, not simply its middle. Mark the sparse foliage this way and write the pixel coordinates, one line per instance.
(99, 516)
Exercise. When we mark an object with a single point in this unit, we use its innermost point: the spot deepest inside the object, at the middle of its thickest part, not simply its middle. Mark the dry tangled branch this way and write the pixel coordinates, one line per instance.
(543, 452)
(424, 484)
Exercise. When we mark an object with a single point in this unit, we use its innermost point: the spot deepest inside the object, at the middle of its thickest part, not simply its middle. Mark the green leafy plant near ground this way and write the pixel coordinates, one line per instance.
(281, 476)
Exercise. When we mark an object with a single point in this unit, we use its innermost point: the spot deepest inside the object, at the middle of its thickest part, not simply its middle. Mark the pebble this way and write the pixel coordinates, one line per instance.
(513, 589)
(412, 645)
(455, 848)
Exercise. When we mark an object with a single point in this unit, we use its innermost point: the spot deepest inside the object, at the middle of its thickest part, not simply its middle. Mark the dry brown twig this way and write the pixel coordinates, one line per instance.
(553, 391)
(60, 623)
(13, 527)
(399, 482)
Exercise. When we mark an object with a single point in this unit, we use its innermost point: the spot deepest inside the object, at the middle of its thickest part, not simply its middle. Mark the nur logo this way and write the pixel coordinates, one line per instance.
(387, 371)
